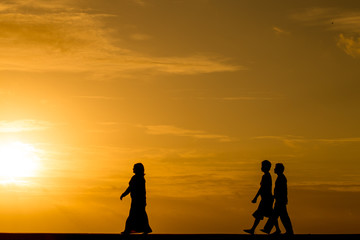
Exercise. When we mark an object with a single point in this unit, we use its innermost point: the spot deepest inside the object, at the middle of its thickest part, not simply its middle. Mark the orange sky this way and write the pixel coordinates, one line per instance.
(199, 91)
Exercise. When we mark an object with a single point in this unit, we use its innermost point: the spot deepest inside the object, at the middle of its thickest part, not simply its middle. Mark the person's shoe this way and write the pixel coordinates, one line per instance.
(276, 233)
(249, 231)
(125, 233)
(264, 231)
(289, 234)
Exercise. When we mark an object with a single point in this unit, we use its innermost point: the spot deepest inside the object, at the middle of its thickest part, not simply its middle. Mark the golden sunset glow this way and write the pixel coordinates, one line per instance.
(199, 91)
(17, 159)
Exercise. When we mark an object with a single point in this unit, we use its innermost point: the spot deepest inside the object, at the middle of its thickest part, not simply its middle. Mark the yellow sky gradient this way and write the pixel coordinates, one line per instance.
(199, 91)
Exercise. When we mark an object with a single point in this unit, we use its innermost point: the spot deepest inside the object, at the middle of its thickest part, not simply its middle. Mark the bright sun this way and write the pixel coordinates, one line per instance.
(17, 160)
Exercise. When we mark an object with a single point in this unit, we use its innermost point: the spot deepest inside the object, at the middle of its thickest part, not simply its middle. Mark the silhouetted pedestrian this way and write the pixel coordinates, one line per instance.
(265, 191)
(281, 200)
(138, 219)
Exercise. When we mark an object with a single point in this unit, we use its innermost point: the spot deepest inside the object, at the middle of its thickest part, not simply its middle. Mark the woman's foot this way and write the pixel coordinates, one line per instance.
(127, 232)
(264, 231)
(251, 231)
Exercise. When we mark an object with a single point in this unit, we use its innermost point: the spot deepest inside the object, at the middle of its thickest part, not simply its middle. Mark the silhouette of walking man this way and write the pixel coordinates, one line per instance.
(281, 200)
(138, 219)
(265, 191)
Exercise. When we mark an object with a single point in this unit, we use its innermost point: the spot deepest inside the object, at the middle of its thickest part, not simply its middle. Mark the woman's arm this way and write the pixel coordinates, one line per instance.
(127, 191)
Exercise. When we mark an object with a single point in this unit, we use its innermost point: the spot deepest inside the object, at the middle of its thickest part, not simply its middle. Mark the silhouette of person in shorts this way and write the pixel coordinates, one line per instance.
(265, 191)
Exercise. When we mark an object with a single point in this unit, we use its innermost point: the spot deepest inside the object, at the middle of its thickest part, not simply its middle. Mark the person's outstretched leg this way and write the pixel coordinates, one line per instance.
(252, 230)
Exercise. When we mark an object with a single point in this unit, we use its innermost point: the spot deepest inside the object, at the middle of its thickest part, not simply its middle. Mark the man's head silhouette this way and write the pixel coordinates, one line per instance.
(279, 168)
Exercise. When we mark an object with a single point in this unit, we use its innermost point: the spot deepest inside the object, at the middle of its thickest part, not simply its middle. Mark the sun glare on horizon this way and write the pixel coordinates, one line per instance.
(17, 160)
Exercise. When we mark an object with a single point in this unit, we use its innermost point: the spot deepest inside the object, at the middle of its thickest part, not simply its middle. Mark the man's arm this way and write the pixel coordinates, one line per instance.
(256, 196)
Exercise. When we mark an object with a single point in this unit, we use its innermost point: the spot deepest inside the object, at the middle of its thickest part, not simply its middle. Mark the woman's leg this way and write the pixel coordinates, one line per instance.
(252, 230)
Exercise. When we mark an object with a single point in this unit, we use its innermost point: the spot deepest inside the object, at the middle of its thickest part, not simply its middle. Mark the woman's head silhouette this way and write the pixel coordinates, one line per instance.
(139, 169)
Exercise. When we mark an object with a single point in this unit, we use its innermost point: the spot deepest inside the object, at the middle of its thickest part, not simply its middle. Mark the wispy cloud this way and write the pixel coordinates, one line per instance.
(108, 123)
(39, 36)
(295, 141)
(315, 16)
(251, 96)
(139, 2)
(338, 140)
(96, 97)
(279, 31)
(245, 98)
(346, 23)
(140, 37)
(290, 141)
(189, 65)
(337, 186)
(175, 131)
(23, 126)
(350, 45)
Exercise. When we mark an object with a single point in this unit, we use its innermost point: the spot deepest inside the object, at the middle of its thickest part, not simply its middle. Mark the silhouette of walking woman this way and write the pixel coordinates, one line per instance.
(281, 200)
(138, 219)
(265, 191)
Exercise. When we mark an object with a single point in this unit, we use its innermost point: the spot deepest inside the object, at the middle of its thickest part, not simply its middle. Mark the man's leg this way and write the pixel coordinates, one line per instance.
(277, 228)
(272, 221)
(285, 219)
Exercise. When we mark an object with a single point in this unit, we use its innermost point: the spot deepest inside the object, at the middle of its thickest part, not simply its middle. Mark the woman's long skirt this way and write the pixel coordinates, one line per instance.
(138, 220)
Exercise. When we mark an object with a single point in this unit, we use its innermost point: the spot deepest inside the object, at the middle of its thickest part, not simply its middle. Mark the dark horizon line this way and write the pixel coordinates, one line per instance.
(170, 236)
(160, 234)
